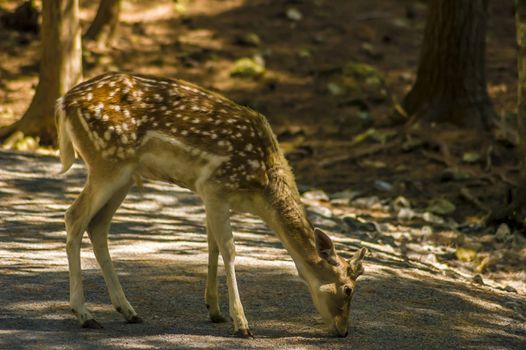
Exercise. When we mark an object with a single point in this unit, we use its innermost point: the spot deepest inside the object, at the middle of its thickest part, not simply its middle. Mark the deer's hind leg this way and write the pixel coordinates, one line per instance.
(97, 192)
(98, 229)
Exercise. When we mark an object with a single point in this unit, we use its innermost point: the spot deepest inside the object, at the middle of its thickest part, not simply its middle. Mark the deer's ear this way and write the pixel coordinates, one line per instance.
(356, 263)
(325, 247)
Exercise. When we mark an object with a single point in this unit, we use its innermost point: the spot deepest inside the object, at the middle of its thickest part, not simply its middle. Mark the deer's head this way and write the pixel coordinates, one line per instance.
(334, 288)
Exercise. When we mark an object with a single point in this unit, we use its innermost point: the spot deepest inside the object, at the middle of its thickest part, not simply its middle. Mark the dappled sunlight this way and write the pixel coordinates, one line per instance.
(159, 247)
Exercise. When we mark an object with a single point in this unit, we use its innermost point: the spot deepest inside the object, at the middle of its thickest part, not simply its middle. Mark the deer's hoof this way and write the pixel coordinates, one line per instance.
(244, 333)
(91, 324)
(217, 318)
(135, 319)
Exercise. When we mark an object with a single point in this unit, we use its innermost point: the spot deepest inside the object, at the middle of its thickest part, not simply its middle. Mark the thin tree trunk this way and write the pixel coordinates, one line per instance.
(103, 28)
(451, 79)
(60, 69)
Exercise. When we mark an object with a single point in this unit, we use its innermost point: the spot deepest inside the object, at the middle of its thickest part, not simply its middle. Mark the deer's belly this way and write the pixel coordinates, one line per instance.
(173, 161)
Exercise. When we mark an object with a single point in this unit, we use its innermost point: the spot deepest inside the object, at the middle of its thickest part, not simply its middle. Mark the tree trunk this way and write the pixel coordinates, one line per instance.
(451, 79)
(102, 29)
(516, 208)
(60, 69)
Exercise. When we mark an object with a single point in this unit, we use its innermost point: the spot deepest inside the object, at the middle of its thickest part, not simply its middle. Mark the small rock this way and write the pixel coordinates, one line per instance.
(433, 219)
(294, 14)
(383, 186)
(502, 233)
(441, 206)
(401, 202)
(406, 214)
(478, 279)
(510, 289)
(429, 258)
(340, 202)
(367, 203)
(321, 211)
(317, 195)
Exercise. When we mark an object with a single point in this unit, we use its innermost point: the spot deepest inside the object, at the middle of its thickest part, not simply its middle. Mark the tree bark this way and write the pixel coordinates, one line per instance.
(103, 28)
(515, 210)
(451, 79)
(60, 69)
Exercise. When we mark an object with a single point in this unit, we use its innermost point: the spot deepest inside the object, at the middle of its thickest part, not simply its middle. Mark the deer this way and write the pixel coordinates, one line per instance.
(127, 127)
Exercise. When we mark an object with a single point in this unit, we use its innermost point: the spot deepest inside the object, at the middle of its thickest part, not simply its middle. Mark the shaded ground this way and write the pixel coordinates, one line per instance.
(159, 246)
(315, 118)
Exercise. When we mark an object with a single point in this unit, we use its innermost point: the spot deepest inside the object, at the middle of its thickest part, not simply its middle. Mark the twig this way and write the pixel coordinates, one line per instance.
(362, 152)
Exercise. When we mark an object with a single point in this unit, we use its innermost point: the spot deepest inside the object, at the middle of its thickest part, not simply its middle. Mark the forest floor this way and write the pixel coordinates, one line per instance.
(159, 246)
(334, 72)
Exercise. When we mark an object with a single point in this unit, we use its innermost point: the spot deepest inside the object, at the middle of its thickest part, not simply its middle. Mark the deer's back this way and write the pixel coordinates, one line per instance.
(160, 124)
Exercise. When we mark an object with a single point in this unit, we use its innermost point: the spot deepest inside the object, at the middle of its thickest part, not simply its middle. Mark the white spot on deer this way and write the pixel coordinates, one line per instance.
(107, 135)
(124, 139)
(174, 130)
(213, 136)
(184, 132)
(163, 108)
(195, 121)
(105, 118)
(120, 153)
(144, 118)
(249, 147)
(118, 129)
(112, 84)
(89, 96)
(126, 113)
(195, 108)
(254, 164)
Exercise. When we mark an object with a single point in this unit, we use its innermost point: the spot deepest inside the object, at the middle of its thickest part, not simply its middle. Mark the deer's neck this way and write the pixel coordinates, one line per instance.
(286, 216)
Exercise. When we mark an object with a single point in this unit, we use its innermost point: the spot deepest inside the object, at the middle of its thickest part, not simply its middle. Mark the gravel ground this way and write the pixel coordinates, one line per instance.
(159, 248)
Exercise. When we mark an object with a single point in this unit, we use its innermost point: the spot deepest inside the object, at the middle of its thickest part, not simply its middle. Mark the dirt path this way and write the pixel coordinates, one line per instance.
(159, 246)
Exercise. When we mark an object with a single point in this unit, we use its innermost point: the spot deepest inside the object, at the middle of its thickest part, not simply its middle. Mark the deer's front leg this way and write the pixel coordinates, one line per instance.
(218, 218)
(211, 294)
